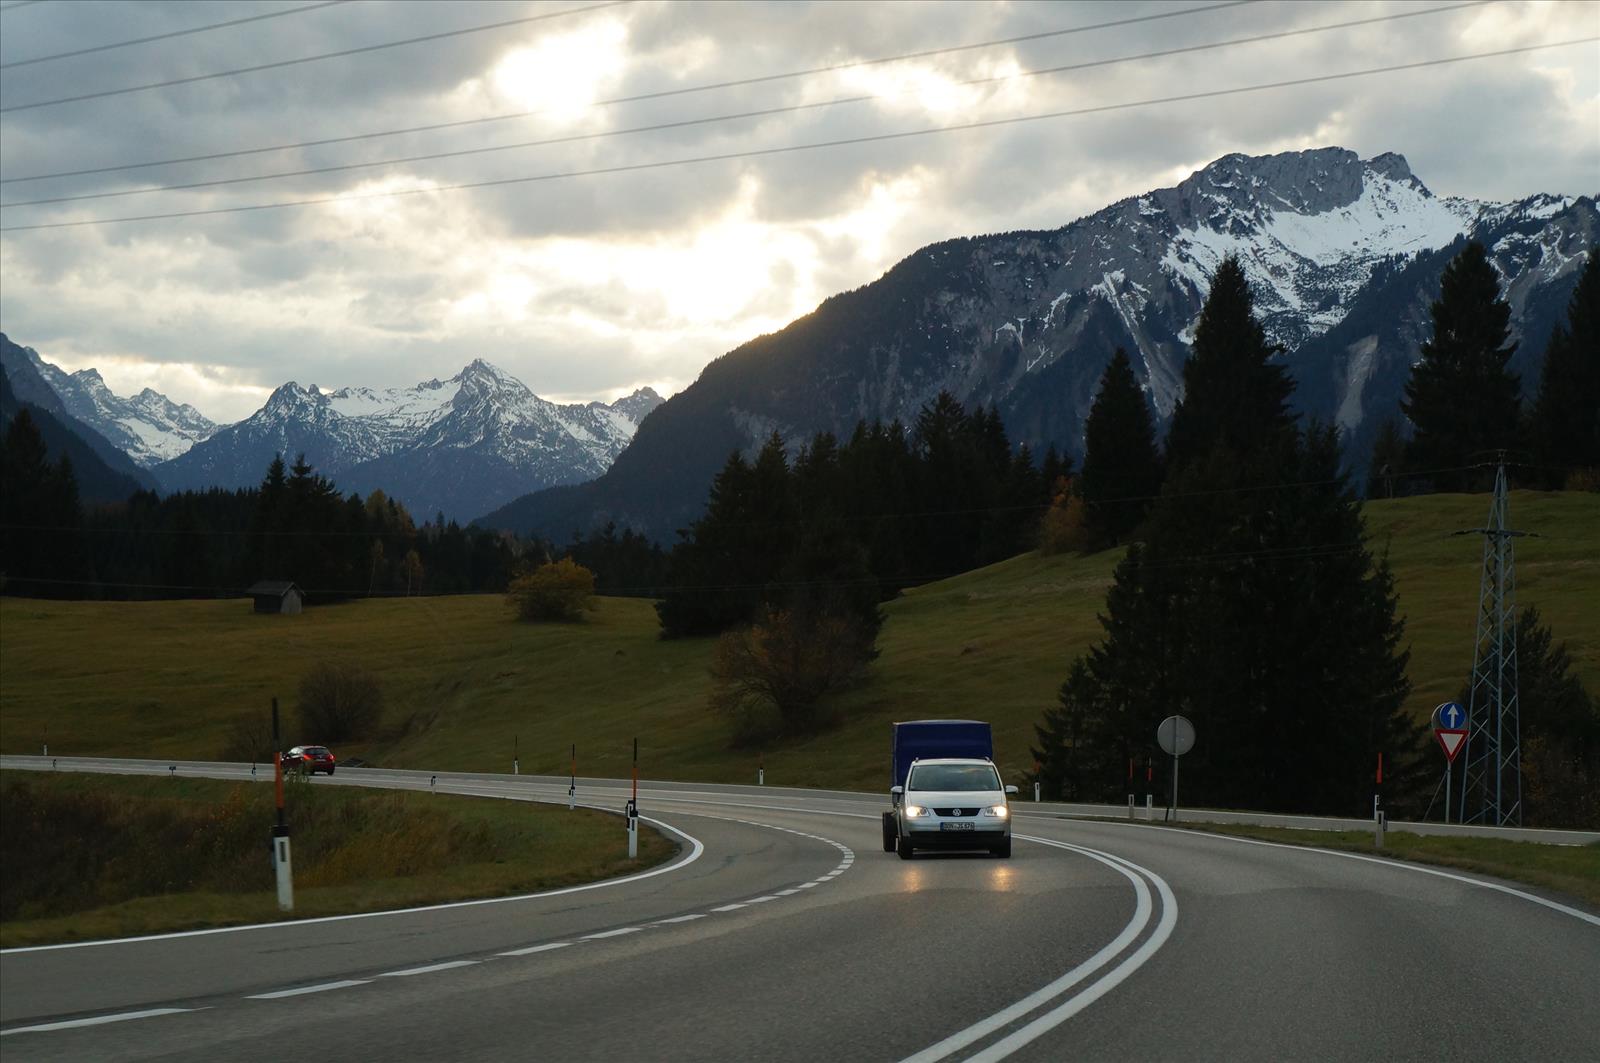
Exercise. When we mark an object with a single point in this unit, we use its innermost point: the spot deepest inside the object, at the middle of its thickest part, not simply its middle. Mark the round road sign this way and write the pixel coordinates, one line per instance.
(1176, 735)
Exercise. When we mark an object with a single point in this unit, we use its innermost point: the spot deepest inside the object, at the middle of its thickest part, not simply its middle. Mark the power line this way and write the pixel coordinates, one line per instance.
(279, 64)
(169, 36)
(815, 145)
(766, 112)
(644, 96)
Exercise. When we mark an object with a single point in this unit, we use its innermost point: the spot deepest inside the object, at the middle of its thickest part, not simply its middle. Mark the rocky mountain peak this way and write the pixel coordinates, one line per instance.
(637, 406)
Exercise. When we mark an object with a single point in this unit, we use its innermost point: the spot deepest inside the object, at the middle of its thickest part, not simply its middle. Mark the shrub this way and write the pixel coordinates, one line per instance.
(339, 701)
(557, 590)
(1065, 526)
(773, 677)
(249, 738)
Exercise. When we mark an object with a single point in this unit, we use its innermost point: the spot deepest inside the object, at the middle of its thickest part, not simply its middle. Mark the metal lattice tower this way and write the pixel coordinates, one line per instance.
(1491, 786)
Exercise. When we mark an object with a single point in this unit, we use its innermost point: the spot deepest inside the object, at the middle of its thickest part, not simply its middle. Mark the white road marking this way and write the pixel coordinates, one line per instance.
(1093, 991)
(409, 971)
(807, 885)
(727, 908)
(611, 933)
(1102, 985)
(98, 1020)
(786, 893)
(696, 849)
(536, 948)
(1396, 864)
(762, 900)
(681, 919)
(303, 990)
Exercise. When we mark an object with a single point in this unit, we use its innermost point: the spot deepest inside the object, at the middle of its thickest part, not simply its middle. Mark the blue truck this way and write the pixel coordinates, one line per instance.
(942, 746)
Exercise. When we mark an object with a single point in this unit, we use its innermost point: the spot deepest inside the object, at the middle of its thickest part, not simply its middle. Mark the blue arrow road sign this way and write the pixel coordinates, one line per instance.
(1450, 717)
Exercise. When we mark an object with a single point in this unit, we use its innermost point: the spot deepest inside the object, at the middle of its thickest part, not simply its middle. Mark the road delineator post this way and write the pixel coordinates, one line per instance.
(1378, 814)
(761, 769)
(516, 766)
(633, 808)
(283, 869)
(572, 787)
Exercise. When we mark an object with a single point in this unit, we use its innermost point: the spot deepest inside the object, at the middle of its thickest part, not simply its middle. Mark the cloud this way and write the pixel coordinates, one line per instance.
(586, 287)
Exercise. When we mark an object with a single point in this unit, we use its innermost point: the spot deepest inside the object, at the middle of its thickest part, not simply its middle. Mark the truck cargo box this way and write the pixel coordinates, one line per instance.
(922, 739)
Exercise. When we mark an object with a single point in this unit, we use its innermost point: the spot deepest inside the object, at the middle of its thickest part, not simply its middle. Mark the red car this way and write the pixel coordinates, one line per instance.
(309, 759)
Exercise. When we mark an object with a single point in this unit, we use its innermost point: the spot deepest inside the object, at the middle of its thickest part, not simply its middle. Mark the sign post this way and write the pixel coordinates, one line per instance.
(1450, 729)
(1176, 736)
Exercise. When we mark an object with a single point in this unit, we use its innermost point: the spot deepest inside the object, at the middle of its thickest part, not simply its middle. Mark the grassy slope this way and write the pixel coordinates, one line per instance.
(164, 679)
(96, 856)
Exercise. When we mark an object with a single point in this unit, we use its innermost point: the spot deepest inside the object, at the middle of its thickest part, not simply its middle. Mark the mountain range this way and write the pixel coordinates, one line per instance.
(1344, 256)
(460, 446)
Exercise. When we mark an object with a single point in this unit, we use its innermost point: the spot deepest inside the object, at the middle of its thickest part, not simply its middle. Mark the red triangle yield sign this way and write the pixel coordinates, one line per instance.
(1451, 742)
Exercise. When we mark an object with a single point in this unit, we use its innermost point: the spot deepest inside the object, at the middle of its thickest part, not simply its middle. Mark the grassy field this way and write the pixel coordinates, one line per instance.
(1569, 869)
(465, 681)
(98, 856)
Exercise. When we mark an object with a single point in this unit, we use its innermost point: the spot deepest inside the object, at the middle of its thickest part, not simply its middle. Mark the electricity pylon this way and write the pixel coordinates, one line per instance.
(1491, 786)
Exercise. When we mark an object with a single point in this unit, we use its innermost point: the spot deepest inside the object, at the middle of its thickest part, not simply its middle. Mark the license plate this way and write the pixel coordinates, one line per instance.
(957, 826)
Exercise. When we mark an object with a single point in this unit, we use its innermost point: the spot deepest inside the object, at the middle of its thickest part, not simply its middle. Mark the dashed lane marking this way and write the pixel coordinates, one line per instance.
(429, 969)
(549, 946)
(98, 1020)
(303, 990)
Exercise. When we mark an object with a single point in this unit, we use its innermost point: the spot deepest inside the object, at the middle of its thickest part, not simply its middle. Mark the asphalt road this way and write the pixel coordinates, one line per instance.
(782, 931)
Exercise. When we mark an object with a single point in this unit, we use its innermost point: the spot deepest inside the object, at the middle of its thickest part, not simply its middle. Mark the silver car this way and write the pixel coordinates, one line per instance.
(952, 803)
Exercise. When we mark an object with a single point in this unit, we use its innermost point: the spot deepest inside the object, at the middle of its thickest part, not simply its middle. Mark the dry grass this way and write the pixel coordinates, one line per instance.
(97, 856)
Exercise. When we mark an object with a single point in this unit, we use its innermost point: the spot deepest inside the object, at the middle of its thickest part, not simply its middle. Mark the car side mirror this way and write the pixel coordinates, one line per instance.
(1011, 791)
(898, 791)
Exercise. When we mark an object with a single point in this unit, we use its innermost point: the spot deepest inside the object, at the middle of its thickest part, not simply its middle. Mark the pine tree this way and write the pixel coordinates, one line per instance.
(1232, 396)
(1566, 416)
(1461, 400)
(1388, 462)
(41, 548)
(1251, 605)
(1121, 468)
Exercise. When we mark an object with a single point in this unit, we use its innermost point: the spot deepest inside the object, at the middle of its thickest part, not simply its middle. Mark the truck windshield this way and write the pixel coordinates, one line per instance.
(953, 777)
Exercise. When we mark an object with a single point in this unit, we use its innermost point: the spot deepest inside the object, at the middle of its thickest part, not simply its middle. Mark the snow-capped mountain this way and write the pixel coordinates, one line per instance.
(1344, 255)
(149, 427)
(461, 446)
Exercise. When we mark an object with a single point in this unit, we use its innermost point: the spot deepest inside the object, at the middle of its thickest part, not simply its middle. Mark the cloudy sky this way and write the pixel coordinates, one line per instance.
(588, 284)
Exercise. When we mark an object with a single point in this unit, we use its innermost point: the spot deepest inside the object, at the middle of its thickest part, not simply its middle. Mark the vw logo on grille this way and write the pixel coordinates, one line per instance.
(955, 812)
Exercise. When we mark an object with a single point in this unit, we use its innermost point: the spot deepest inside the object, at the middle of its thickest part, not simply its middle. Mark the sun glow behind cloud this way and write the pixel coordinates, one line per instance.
(563, 74)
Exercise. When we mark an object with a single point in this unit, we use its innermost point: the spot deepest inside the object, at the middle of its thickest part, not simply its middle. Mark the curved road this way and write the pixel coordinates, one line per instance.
(783, 932)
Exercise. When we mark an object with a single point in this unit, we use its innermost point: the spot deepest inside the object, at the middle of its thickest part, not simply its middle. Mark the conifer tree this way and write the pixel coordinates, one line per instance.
(1388, 461)
(1232, 396)
(1121, 468)
(1566, 415)
(1251, 605)
(1461, 400)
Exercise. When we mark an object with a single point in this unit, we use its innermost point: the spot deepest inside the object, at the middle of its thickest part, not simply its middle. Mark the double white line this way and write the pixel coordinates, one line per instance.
(1076, 985)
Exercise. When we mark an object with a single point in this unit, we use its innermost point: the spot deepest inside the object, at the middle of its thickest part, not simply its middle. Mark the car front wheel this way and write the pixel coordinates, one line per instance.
(903, 847)
(1003, 850)
(888, 832)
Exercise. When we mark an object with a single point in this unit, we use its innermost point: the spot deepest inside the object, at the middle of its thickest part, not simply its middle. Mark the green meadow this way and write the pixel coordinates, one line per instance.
(467, 685)
(99, 856)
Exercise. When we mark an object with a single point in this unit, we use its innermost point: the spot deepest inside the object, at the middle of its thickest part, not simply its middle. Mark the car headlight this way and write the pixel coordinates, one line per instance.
(998, 811)
(918, 811)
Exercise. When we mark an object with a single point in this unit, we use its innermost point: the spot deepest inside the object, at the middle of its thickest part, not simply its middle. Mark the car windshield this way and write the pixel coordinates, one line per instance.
(953, 777)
